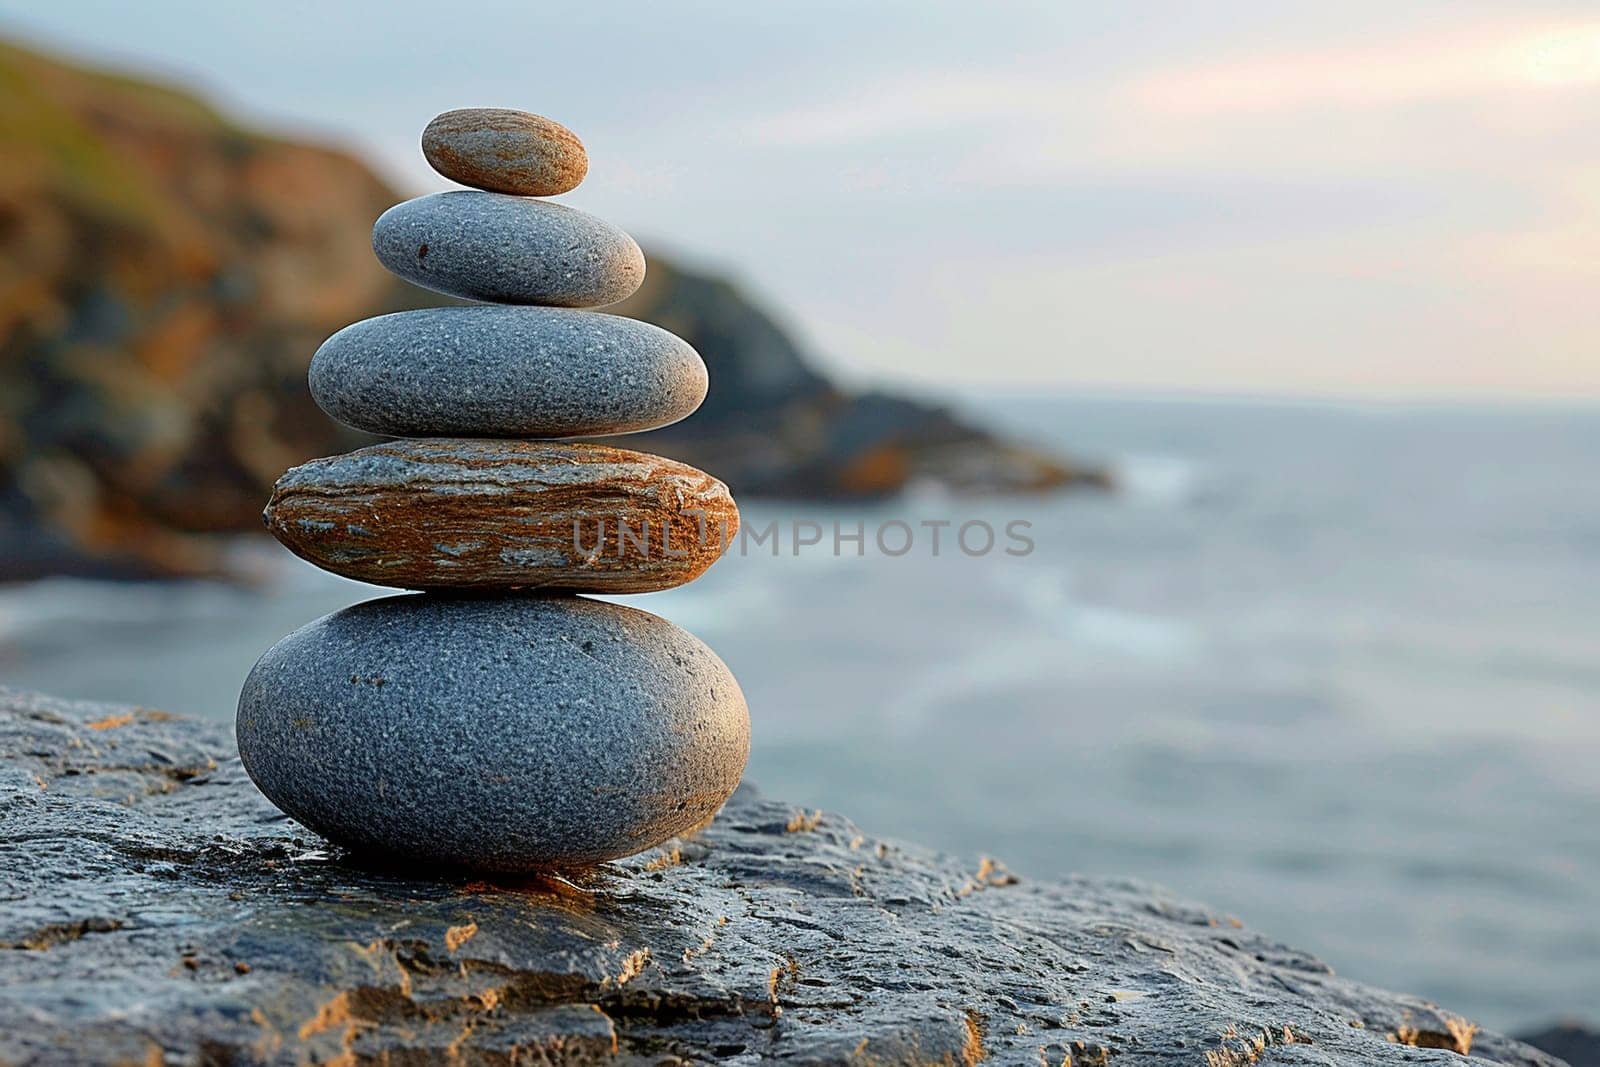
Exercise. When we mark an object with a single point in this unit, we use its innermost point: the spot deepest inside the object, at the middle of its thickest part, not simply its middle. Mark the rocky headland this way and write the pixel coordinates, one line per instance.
(165, 275)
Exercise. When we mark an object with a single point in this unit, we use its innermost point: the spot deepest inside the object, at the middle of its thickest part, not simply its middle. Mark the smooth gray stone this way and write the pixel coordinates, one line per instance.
(506, 372)
(508, 250)
(158, 910)
(505, 734)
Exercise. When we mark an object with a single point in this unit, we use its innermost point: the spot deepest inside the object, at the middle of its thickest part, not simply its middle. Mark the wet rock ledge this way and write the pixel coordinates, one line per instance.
(155, 909)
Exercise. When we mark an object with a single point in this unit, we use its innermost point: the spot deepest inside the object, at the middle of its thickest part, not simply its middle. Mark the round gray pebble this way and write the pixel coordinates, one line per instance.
(508, 250)
(489, 371)
(506, 734)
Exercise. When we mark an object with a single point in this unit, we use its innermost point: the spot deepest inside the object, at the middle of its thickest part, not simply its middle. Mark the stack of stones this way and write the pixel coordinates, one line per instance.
(495, 720)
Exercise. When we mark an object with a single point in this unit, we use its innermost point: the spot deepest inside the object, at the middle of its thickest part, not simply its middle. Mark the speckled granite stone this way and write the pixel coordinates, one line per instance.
(508, 250)
(506, 734)
(491, 371)
(505, 151)
(487, 514)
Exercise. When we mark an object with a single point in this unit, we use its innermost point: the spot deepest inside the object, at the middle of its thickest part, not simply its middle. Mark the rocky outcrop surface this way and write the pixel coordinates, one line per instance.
(157, 910)
(166, 275)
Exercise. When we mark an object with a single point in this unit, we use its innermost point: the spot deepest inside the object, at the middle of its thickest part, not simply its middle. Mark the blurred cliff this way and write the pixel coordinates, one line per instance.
(165, 276)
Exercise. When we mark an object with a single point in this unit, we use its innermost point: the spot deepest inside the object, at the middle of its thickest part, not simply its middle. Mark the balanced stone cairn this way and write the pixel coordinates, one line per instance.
(494, 720)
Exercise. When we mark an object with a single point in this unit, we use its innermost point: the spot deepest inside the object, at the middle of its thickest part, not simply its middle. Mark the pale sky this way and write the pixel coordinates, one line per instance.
(1358, 198)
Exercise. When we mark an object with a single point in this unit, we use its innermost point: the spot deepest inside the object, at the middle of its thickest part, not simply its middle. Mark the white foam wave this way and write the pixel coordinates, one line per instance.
(1162, 481)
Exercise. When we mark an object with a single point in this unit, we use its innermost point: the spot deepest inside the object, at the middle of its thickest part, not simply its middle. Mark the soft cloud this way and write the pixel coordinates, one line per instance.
(948, 101)
(1406, 104)
(1464, 62)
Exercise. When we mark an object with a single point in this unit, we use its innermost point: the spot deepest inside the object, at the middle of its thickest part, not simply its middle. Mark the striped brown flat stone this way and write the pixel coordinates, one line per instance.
(472, 513)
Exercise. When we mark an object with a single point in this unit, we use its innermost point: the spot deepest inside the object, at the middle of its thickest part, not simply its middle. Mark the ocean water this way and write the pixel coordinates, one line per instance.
(1333, 669)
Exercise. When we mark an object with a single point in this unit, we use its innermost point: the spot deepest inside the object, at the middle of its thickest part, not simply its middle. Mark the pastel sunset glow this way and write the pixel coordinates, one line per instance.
(1356, 199)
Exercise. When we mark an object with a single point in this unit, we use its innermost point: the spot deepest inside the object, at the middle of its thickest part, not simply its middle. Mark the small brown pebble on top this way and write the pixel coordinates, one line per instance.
(505, 151)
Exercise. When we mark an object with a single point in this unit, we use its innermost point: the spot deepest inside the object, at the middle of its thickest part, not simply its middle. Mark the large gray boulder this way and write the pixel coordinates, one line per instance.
(154, 908)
